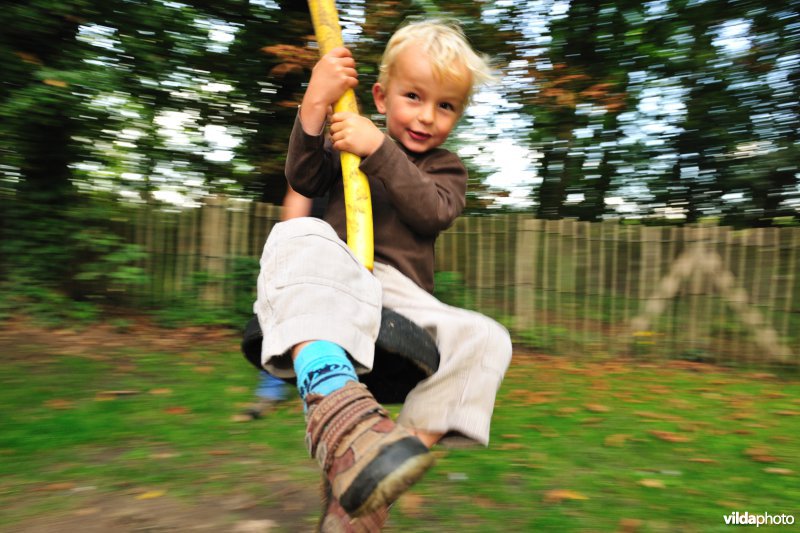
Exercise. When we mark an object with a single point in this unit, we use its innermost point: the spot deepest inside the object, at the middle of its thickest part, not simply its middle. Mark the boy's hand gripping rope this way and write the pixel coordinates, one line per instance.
(357, 198)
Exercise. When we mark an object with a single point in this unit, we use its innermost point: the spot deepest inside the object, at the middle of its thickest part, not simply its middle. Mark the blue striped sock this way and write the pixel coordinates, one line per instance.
(322, 367)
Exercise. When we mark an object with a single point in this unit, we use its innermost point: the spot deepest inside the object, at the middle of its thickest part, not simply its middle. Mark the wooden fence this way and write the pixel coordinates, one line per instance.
(595, 289)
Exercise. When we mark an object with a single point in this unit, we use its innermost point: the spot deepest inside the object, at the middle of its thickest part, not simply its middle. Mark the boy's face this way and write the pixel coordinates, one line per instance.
(421, 110)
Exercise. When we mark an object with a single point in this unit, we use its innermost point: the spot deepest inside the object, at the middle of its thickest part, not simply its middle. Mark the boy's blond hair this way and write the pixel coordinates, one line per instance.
(447, 47)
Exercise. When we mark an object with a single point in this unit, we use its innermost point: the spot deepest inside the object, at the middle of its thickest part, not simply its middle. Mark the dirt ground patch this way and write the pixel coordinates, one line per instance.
(120, 512)
(286, 506)
(21, 336)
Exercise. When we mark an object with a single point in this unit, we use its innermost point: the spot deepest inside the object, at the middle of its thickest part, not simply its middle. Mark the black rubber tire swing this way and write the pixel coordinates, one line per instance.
(405, 354)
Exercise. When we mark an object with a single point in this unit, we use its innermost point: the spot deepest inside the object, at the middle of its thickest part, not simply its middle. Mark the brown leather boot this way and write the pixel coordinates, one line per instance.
(368, 460)
(336, 520)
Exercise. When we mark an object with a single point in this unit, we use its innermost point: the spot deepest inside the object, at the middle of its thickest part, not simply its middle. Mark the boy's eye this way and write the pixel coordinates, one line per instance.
(412, 96)
(447, 106)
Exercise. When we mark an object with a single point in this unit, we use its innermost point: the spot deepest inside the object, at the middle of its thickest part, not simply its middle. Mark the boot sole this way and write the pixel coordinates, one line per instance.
(397, 467)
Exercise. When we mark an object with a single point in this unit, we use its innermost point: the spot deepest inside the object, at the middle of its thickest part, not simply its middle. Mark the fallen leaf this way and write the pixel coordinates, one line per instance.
(566, 410)
(629, 525)
(779, 471)
(787, 412)
(59, 403)
(652, 483)
(657, 416)
(52, 487)
(151, 494)
(712, 396)
(764, 458)
(704, 460)
(597, 408)
(219, 452)
(254, 526)
(159, 392)
(204, 369)
(484, 503)
(680, 403)
(163, 455)
(669, 436)
(176, 410)
(616, 441)
(529, 397)
(761, 454)
(559, 495)
(55, 83)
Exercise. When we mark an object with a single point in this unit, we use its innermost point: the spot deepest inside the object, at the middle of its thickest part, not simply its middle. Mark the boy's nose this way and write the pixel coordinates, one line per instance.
(426, 114)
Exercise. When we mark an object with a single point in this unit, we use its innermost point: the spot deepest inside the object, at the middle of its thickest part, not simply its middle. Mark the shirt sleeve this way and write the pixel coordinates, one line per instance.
(428, 196)
(309, 162)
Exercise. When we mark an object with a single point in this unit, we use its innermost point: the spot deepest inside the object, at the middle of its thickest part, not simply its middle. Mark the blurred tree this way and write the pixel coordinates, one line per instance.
(582, 89)
(116, 97)
(680, 108)
(686, 107)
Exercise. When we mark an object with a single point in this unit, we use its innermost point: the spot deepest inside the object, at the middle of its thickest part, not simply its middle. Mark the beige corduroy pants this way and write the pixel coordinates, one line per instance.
(311, 287)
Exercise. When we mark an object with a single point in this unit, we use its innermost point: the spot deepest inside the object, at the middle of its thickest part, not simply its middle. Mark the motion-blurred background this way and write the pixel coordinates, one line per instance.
(634, 193)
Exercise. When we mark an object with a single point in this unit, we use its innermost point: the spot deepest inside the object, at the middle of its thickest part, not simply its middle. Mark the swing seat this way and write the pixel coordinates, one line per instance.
(405, 354)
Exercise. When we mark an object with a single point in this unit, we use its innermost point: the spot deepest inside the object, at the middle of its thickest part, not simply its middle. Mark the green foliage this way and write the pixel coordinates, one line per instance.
(108, 265)
(449, 287)
(21, 295)
(544, 338)
(61, 265)
(190, 308)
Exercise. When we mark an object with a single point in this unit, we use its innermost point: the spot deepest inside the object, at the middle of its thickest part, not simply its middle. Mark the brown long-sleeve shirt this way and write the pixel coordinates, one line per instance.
(414, 196)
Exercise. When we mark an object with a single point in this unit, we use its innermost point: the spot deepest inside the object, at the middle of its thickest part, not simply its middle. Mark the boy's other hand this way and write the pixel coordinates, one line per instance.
(355, 134)
(333, 74)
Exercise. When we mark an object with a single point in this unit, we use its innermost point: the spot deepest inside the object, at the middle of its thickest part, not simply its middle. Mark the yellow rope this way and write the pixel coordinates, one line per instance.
(357, 198)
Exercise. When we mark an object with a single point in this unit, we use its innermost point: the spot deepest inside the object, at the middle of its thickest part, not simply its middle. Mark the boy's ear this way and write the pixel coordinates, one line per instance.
(379, 97)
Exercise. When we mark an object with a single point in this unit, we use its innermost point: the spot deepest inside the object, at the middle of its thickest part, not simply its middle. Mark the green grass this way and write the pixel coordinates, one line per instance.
(576, 446)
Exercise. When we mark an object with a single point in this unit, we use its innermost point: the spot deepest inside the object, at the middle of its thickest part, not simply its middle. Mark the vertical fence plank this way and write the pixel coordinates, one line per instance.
(629, 309)
(645, 282)
(715, 304)
(793, 242)
(509, 235)
(586, 295)
(214, 244)
(613, 331)
(525, 266)
(558, 229)
(773, 278)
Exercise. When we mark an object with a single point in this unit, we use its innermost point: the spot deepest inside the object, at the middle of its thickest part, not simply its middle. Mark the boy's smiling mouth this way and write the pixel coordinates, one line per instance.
(418, 135)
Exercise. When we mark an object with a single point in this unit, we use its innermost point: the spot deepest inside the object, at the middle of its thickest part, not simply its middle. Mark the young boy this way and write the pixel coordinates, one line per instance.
(322, 308)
